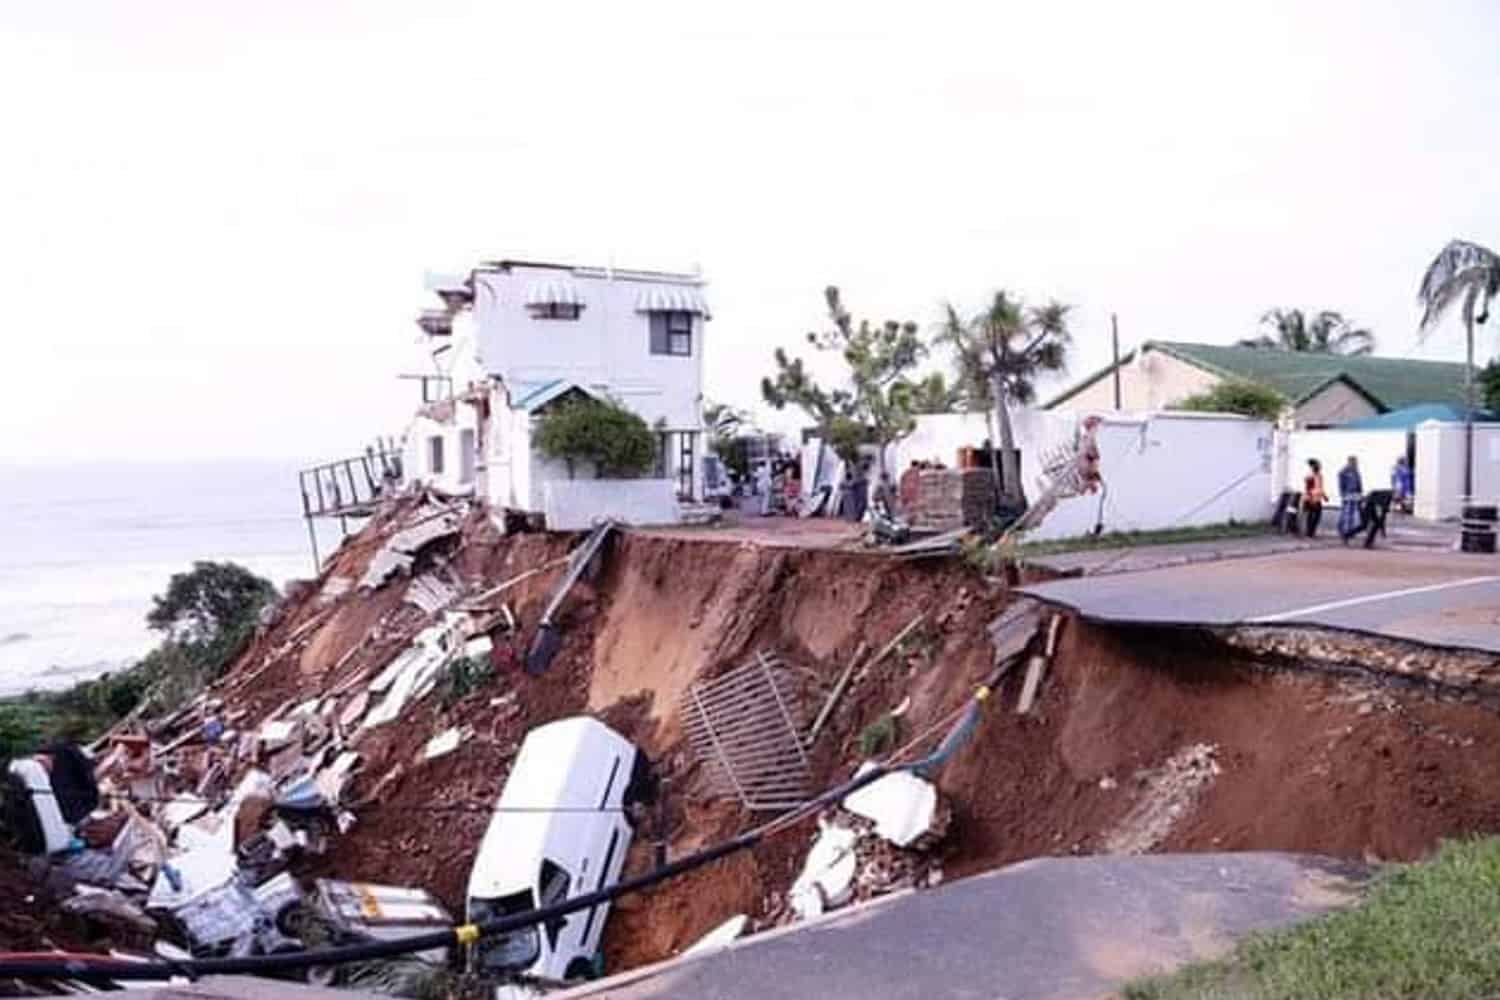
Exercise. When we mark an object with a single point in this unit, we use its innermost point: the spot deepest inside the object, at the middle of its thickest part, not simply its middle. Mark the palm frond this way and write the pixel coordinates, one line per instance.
(1457, 266)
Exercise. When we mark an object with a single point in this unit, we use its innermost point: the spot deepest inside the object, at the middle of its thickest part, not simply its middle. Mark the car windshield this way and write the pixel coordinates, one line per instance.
(505, 952)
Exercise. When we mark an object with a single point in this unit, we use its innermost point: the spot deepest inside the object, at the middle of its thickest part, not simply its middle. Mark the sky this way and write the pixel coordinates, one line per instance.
(216, 218)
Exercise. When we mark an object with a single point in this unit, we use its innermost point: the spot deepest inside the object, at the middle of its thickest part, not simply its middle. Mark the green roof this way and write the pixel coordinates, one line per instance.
(1390, 383)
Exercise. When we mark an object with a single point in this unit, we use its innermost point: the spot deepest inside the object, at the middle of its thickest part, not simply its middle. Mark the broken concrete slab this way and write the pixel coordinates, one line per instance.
(430, 593)
(446, 742)
(414, 672)
(401, 549)
(827, 878)
(901, 805)
(1013, 629)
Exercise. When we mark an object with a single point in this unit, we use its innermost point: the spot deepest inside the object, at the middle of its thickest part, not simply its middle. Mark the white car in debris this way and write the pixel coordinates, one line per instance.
(560, 830)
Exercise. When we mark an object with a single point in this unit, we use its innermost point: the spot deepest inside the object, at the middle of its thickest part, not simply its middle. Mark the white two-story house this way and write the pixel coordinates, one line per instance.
(516, 337)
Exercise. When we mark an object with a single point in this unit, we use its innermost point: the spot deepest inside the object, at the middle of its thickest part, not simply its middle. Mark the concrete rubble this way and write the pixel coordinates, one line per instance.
(879, 841)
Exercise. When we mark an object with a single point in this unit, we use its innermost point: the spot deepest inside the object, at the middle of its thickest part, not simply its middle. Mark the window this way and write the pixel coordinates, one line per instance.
(505, 953)
(672, 333)
(556, 310)
(554, 886)
(435, 455)
(466, 455)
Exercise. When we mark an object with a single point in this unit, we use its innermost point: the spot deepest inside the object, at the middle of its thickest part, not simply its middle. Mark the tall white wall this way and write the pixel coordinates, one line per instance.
(1162, 470)
(1169, 470)
(608, 347)
(1440, 468)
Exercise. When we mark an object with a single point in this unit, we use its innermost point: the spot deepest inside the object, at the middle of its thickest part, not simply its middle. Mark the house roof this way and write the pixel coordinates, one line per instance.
(532, 396)
(1409, 417)
(1389, 383)
(583, 271)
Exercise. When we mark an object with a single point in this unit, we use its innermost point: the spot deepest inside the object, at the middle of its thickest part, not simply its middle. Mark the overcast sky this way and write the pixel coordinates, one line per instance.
(215, 217)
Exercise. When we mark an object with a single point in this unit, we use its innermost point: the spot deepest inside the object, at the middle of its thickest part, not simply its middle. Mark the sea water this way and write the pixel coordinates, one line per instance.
(84, 547)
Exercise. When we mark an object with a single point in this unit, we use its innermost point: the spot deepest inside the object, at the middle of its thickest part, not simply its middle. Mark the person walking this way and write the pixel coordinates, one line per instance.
(1313, 497)
(1351, 500)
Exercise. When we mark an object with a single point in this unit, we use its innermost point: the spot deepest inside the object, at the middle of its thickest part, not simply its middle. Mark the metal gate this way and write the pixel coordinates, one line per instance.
(743, 728)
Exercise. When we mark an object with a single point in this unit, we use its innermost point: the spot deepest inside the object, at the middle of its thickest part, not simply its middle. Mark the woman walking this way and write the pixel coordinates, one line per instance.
(1312, 497)
(1351, 500)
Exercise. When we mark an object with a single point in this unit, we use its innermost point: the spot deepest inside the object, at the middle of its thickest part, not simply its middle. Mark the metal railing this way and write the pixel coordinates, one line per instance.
(743, 727)
(350, 487)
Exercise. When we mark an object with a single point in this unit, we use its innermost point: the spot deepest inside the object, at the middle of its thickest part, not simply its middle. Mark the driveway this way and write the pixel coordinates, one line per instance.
(1441, 598)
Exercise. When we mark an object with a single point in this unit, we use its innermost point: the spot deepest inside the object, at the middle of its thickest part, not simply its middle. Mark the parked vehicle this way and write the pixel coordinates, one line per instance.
(560, 830)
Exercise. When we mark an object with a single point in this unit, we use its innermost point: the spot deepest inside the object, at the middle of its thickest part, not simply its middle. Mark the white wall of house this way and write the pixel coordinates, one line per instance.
(1440, 468)
(1376, 450)
(1335, 403)
(1151, 381)
(608, 347)
(440, 448)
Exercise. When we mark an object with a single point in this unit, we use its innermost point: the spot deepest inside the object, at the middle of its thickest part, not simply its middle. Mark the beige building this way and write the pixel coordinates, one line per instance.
(1322, 390)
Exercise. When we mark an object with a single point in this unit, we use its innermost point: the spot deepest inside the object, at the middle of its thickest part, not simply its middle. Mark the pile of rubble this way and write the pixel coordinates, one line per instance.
(879, 840)
(181, 836)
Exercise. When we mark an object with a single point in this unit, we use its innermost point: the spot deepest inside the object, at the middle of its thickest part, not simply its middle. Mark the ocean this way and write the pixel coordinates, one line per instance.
(84, 547)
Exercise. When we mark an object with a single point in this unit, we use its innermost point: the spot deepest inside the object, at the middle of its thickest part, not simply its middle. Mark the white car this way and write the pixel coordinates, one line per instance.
(560, 830)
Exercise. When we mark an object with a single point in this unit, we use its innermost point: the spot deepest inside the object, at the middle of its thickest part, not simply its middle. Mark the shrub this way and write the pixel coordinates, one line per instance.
(618, 442)
(878, 737)
(1250, 399)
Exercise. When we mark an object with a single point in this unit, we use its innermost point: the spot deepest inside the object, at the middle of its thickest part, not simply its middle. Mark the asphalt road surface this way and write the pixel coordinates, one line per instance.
(1042, 929)
(1443, 598)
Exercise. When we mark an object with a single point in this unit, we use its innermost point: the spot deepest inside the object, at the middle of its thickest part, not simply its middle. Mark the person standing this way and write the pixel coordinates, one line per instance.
(1401, 485)
(1351, 500)
(1313, 497)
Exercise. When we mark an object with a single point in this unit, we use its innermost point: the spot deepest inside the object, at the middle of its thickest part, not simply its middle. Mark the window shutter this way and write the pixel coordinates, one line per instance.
(659, 333)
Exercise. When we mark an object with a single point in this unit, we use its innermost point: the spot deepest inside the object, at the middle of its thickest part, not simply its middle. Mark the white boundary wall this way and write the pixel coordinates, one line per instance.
(1162, 469)
(578, 504)
(1440, 468)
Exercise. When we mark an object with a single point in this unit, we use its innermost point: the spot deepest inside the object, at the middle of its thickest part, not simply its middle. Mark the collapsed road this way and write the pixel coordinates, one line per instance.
(391, 706)
(1436, 598)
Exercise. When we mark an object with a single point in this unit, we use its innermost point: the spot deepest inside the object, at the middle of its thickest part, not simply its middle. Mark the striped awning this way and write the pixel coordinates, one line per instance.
(553, 293)
(670, 299)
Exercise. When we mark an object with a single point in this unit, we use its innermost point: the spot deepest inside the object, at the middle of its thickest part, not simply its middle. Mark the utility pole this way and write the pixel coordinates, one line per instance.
(1114, 333)
(1469, 413)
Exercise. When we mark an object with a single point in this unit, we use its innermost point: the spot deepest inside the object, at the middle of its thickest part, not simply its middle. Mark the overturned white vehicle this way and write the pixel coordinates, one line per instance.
(560, 830)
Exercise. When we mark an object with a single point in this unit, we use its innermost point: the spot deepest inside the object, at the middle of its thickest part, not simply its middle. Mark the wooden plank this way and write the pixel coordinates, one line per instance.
(1036, 670)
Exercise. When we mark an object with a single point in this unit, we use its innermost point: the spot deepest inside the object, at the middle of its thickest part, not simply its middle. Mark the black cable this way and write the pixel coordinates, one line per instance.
(465, 934)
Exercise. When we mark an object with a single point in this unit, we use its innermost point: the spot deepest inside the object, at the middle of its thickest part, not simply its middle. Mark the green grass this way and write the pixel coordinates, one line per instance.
(1135, 539)
(1430, 930)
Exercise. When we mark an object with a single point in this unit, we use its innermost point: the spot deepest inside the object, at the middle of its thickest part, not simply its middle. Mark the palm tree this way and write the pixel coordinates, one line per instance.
(1327, 333)
(1470, 273)
(999, 354)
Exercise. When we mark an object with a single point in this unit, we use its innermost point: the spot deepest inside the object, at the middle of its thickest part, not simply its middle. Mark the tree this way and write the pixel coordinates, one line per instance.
(999, 354)
(875, 406)
(209, 603)
(931, 394)
(1248, 398)
(1489, 386)
(1328, 332)
(724, 424)
(1468, 273)
(617, 441)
